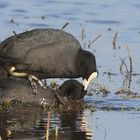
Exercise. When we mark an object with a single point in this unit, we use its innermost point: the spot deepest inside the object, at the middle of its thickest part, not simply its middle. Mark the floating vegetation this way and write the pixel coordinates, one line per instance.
(137, 108)
(126, 87)
(110, 73)
(99, 89)
(111, 108)
(71, 105)
(127, 93)
(54, 84)
(67, 106)
(12, 105)
(91, 107)
(124, 91)
(5, 106)
(103, 89)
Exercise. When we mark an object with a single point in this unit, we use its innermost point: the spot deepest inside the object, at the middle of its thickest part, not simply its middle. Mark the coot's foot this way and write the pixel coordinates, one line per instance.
(31, 78)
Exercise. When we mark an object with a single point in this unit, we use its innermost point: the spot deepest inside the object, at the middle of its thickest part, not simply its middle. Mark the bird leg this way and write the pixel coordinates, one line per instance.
(33, 85)
(31, 78)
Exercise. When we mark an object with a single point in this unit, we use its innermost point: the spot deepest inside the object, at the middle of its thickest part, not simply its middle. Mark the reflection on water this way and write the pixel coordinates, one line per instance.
(84, 125)
(93, 18)
(32, 123)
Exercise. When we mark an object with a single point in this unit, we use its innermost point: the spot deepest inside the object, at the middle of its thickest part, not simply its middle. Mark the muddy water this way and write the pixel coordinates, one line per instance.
(92, 18)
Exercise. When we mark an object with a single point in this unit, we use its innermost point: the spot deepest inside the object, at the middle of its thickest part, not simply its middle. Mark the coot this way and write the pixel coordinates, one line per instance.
(17, 89)
(47, 53)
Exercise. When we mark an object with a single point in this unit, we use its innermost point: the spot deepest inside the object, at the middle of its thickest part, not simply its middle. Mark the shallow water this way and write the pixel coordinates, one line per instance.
(94, 18)
(85, 125)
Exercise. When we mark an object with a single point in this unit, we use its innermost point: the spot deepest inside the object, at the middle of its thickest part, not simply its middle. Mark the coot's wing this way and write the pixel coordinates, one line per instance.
(43, 52)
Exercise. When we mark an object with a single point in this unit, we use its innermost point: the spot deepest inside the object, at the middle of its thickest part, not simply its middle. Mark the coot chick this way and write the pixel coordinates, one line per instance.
(72, 89)
(47, 53)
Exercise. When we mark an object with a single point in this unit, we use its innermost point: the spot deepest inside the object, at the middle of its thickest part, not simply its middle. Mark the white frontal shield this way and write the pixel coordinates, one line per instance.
(91, 77)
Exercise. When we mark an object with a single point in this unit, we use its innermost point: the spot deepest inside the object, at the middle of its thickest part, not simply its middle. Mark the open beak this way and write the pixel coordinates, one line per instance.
(91, 77)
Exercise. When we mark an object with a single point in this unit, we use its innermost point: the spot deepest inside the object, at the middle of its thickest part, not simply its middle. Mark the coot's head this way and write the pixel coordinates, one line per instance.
(86, 66)
(73, 89)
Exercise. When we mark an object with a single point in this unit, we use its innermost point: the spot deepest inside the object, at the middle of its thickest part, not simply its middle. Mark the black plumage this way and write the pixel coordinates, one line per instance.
(47, 53)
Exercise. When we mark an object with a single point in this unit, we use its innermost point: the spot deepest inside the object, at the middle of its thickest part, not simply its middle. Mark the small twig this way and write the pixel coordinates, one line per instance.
(123, 63)
(83, 34)
(84, 45)
(114, 40)
(14, 33)
(129, 71)
(56, 133)
(94, 40)
(60, 98)
(64, 26)
(130, 60)
(12, 20)
(131, 67)
(48, 126)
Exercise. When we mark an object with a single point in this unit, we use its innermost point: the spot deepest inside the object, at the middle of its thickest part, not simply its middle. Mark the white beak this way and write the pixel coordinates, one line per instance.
(91, 77)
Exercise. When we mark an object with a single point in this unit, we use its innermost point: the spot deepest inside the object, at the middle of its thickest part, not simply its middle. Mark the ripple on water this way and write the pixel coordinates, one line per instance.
(104, 21)
(3, 5)
(31, 124)
(20, 11)
(115, 103)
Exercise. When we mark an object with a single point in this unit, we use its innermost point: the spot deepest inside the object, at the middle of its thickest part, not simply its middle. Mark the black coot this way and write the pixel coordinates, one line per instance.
(47, 53)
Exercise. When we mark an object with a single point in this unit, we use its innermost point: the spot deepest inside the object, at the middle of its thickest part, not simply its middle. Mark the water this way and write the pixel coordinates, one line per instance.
(95, 18)
(86, 125)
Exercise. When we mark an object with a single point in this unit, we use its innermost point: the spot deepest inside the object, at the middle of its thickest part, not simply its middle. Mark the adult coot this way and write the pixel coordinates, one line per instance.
(47, 53)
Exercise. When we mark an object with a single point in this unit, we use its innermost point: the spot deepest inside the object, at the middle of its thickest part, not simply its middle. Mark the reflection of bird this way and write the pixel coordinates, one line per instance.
(47, 53)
